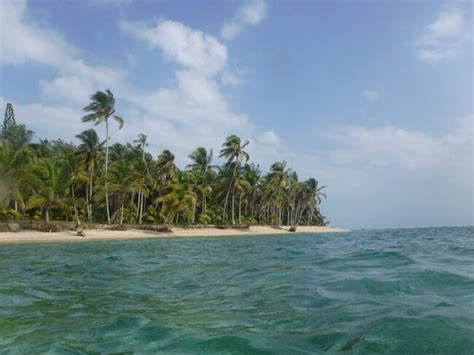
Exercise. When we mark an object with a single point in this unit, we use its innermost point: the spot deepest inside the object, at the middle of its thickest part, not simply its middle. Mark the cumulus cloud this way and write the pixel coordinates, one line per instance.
(195, 111)
(77, 81)
(444, 38)
(25, 42)
(191, 48)
(48, 121)
(249, 14)
(190, 113)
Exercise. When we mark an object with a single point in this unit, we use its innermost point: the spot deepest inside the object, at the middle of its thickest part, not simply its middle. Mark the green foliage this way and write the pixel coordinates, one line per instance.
(123, 183)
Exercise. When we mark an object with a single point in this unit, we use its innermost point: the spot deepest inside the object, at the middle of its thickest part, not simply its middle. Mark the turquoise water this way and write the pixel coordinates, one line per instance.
(394, 291)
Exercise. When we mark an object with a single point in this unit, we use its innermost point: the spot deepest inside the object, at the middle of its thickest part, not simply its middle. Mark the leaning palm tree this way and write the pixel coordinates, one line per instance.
(102, 107)
(233, 151)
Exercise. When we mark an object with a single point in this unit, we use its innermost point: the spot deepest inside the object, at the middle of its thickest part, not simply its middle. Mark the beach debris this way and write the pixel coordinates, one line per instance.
(80, 233)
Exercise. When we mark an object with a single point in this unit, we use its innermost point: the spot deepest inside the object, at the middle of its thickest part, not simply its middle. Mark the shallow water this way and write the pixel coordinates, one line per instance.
(399, 291)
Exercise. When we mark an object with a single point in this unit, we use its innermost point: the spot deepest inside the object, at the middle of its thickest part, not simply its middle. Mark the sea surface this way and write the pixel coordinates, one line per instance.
(394, 291)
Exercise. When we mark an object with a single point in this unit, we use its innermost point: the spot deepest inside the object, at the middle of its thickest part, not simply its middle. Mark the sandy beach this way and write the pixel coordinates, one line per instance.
(100, 234)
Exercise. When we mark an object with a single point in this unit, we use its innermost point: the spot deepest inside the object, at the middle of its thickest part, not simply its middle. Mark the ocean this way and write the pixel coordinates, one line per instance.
(392, 291)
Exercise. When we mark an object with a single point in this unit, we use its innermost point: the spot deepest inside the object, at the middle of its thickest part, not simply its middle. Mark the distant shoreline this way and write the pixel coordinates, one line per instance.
(22, 237)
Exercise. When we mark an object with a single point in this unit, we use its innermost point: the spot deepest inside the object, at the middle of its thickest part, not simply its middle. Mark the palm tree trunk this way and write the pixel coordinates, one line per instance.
(139, 198)
(226, 202)
(46, 215)
(240, 210)
(121, 213)
(233, 206)
(203, 203)
(106, 168)
(89, 211)
(76, 214)
(228, 192)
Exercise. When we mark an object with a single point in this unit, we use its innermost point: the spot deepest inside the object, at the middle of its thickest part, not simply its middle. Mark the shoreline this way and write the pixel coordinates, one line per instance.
(26, 237)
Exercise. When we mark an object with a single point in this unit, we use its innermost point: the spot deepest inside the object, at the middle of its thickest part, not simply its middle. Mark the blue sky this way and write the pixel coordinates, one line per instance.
(374, 99)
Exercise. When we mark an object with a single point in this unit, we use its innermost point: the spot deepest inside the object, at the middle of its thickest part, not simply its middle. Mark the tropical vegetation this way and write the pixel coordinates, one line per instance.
(96, 181)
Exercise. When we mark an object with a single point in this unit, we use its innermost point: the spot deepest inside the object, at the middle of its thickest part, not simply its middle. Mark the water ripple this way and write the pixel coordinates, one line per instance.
(405, 291)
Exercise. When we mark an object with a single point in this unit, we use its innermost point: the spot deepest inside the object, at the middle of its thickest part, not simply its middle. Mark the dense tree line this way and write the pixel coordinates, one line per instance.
(123, 183)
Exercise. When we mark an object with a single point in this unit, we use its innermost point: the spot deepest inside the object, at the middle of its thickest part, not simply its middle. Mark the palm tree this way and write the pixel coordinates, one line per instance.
(120, 185)
(166, 166)
(178, 200)
(13, 166)
(102, 106)
(202, 164)
(252, 175)
(18, 135)
(277, 181)
(77, 177)
(142, 143)
(89, 151)
(234, 152)
(49, 183)
(315, 196)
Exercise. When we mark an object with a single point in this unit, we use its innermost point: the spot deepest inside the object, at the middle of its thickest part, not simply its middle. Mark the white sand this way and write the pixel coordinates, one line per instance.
(99, 234)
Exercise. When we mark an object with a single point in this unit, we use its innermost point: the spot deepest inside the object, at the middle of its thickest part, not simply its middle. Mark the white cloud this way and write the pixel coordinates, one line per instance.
(193, 49)
(371, 96)
(191, 113)
(444, 38)
(249, 14)
(420, 179)
(78, 81)
(194, 112)
(22, 42)
(48, 121)
(400, 148)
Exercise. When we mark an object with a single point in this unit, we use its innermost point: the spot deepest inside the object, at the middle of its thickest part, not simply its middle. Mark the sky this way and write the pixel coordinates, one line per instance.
(372, 98)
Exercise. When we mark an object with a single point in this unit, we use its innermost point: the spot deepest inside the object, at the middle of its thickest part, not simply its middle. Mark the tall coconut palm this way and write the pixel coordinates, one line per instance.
(89, 151)
(166, 166)
(233, 151)
(142, 143)
(120, 185)
(315, 196)
(252, 175)
(102, 107)
(77, 177)
(201, 162)
(277, 181)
